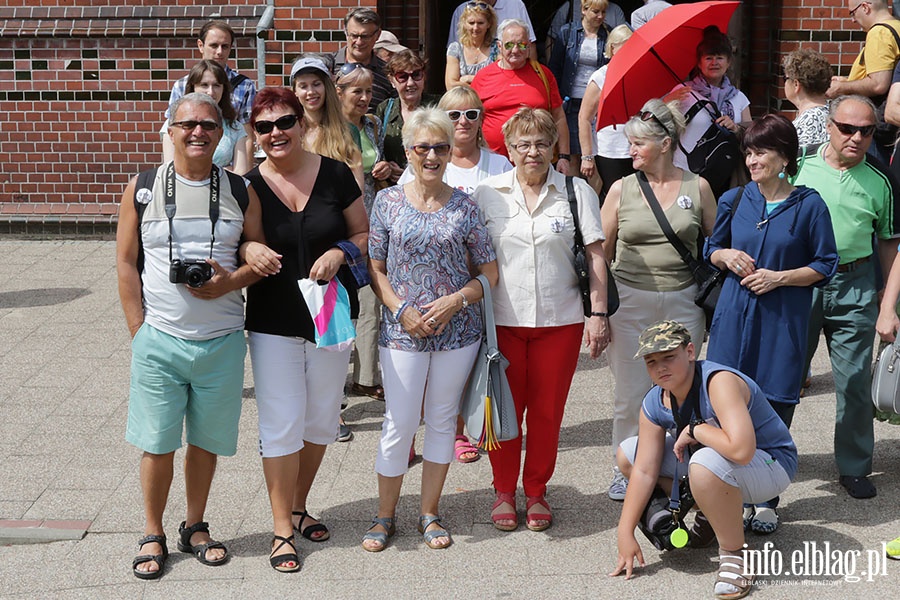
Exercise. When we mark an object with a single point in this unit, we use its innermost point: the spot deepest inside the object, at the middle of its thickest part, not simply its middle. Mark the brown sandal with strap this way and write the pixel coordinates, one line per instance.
(731, 575)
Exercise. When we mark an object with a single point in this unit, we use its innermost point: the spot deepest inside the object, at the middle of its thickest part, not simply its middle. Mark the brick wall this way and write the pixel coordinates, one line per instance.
(83, 89)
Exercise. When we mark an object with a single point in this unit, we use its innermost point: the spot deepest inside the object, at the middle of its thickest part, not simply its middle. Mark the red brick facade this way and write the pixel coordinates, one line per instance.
(84, 83)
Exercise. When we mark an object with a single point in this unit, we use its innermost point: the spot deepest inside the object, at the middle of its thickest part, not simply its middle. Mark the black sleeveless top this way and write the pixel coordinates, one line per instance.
(274, 304)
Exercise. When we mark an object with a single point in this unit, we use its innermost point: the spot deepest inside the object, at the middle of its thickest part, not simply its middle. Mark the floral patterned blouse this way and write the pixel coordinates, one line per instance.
(427, 256)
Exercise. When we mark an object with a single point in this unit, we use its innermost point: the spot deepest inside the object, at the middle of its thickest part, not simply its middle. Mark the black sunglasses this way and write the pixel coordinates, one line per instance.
(192, 125)
(847, 129)
(283, 123)
(481, 5)
(647, 115)
(348, 68)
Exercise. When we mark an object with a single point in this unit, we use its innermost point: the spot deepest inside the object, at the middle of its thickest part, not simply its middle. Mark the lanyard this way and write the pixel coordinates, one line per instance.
(169, 191)
(682, 416)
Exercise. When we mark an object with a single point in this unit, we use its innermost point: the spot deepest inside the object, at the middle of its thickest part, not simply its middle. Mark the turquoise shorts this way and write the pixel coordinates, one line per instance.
(185, 384)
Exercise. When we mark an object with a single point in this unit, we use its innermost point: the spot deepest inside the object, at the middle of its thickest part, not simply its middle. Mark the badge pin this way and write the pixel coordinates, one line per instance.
(556, 226)
(685, 202)
(144, 196)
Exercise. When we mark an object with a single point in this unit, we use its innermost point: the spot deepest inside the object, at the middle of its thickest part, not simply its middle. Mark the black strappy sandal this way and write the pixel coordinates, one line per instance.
(159, 559)
(309, 531)
(184, 543)
(279, 562)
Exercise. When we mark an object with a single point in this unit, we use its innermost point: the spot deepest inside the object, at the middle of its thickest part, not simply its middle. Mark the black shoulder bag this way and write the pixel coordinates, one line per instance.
(708, 278)
(581, 263)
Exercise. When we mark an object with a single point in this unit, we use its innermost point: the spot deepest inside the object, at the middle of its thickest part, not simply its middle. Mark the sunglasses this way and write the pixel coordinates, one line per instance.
(847, 129)
(348, 68)
(647, 115)
(470, 114)
(424, 149)
(481, 5)
(282, 123)
(403, 76)
(519, 45)
(853, 12)
(192, 125)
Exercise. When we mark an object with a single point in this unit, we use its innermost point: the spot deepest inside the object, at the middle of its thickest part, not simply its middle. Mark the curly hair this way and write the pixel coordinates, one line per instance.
(808, 68)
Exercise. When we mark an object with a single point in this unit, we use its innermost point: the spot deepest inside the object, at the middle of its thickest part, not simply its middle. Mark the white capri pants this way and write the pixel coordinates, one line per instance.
(299, 390)
(638, 310)
(759, 481)
(409, 378)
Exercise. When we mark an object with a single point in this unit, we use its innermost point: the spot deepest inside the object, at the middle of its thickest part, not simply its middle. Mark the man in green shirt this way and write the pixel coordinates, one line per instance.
(859, 196)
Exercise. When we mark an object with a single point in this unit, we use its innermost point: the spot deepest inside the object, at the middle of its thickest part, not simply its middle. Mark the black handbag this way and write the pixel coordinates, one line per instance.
(708, 278)
(717, 153)
(581, 264)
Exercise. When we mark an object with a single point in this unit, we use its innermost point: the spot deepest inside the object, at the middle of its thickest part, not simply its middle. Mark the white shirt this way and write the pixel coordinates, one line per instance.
(611, 141)
(466, 179)
(538, 285)
(504, 9)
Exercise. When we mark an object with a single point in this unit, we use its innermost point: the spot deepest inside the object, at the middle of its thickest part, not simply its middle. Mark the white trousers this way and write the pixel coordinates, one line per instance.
(410, 379)
(299, 389)
(638, 309)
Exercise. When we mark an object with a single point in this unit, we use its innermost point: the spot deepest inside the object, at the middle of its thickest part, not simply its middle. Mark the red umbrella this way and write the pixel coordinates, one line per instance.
(657, 57)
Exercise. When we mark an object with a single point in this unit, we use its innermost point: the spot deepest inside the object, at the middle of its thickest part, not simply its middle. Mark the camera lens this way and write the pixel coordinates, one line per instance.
(195, 275)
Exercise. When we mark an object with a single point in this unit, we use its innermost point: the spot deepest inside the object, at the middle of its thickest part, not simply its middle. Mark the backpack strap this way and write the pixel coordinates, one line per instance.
(239, 190)
(145, 181)
(237, 80)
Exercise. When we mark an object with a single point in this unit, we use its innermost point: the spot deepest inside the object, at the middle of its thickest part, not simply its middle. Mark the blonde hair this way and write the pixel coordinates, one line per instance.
(462, 31)
(670, 123)
(618, 36)
(595, 4)
(463, 95)
(333, 139)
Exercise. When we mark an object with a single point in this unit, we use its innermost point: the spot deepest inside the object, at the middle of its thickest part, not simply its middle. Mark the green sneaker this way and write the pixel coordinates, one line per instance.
(893, 549)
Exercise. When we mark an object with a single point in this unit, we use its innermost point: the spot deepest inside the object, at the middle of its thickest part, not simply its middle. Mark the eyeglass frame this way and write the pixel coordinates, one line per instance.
(853, 12)
(524, 147)
(269, 126)
(464, 113)
(508, 46)
(186, 125)
(441, 149)
(864, 130)
(403, 76)
(652, 116)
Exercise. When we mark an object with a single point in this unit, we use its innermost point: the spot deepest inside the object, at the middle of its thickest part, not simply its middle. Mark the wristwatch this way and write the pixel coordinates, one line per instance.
(600, 314)
(694, 423)
(564, 156)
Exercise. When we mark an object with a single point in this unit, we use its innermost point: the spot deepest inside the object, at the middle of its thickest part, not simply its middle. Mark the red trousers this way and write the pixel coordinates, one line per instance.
(542, 361)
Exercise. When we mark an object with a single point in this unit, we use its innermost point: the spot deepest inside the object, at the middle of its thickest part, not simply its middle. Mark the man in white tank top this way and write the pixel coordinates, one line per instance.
(180, 288)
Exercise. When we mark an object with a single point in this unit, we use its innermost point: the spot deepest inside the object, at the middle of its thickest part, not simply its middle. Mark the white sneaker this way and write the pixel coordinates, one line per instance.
(618, 486)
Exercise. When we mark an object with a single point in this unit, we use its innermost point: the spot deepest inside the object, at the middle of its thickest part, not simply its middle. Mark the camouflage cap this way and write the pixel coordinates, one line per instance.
(662, 336)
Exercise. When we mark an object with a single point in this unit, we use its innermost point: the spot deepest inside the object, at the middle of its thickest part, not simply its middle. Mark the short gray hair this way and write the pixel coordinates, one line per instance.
(507, 23)
(429, 120)
(834, 104)
(196, 98)
(669, 116)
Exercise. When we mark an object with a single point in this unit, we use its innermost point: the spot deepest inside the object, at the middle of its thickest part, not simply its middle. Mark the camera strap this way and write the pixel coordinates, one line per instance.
(683, 415)
(169, 193)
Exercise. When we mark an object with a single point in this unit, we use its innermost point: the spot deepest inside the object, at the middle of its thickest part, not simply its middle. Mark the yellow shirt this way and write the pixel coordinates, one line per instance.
(880, 53)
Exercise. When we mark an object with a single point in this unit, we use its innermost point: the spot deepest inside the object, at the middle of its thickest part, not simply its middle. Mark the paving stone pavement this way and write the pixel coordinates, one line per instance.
(64, 353)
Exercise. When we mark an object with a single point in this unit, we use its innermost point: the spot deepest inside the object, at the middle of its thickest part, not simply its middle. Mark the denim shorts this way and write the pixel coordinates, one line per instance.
(185, 384)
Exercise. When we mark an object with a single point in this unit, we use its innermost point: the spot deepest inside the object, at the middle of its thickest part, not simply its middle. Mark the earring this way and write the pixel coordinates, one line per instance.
(782, 174)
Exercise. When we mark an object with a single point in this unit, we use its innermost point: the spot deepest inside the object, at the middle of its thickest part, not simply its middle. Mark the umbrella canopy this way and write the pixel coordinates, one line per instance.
(658, 56)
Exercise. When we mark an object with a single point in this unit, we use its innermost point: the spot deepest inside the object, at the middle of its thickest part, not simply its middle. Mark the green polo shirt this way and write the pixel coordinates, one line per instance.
(860, 200)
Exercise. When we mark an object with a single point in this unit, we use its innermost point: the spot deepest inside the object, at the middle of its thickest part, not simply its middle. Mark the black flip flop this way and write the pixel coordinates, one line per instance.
(184, 544)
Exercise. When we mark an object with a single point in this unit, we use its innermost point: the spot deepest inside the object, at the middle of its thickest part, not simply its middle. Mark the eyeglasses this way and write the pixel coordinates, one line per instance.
(847, 129)
(403, 76)
(649, 116)
(525, 147)
(853, 12)
(519, 45)
(470, 114)
(424, 149)
(282, 123)
(192, 125)
(481, 5)
(363, 37)
(348, 68)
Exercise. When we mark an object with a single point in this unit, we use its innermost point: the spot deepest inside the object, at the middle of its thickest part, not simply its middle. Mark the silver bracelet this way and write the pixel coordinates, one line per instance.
(465, 300)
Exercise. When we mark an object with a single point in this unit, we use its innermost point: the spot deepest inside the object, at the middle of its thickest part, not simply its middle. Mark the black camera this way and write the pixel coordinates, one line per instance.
(658, 522)
(192, 272)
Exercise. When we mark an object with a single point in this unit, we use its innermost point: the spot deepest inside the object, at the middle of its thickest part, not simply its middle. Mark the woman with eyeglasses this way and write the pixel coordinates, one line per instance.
(210, 78)
(315, 223)
(653, 281)
(577, 53)
(424, 235)
(775, 244)
(475, 49)
(538, 306)
(406, 72)
(506, 86)
(608, 155)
